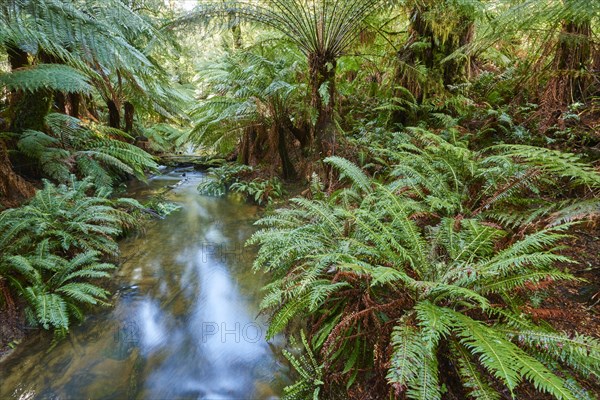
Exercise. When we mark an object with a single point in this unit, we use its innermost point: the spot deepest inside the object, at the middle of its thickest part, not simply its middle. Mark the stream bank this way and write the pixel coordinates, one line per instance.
(183, 322)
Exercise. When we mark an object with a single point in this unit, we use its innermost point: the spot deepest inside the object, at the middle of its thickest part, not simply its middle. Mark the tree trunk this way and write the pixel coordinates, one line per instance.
(30, 110)
(456, 70)
(572, 72)
(114, 116)
(322, 72)
(251, 147)
(439, 75)
(60, 102)
(13, 188)
(129, 114)
(27, 110)
(17, 59)
(286, 164)
(301, 134)
(90, 107)
(73, 102)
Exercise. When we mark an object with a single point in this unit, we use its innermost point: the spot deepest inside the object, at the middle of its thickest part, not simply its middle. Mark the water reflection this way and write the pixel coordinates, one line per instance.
(183, 325)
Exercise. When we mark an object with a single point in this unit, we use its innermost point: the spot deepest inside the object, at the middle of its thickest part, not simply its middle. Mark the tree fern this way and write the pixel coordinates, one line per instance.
(85, 149)
(106, 48)
(61, 78)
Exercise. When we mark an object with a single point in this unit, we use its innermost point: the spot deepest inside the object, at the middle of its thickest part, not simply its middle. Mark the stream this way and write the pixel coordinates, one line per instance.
(183, 322)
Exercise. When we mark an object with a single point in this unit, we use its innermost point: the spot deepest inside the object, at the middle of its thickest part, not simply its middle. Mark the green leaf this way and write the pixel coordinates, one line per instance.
(47, 76)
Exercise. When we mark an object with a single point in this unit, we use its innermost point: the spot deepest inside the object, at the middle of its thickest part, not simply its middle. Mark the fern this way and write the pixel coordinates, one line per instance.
(55, 288)
(451, 283)
(84, 149)
(352, 172)
(221, 179)
(508, 184)
(260, 191)
(104, 49)
(67, 220)
(61, 78)
(311, 374)
(242, 91)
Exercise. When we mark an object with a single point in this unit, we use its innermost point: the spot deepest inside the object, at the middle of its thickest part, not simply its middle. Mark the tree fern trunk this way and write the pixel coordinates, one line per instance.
(27, 110)
(428, 47)
(301, 134)
(30, 111)
(73, 103)
(114, 116)
(13, 188)
(286, 164)
(322, 87)
(571, 71)
(250, 147)
(456, 70)
(236, 31)
(129, 114)
(60, 102)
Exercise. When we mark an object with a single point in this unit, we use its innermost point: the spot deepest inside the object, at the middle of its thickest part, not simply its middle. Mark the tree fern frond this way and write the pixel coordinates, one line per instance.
(57, 77)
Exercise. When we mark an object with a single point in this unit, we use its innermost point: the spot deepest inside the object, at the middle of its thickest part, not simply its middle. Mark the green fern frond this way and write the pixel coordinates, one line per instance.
(57, 77)
(350, 171)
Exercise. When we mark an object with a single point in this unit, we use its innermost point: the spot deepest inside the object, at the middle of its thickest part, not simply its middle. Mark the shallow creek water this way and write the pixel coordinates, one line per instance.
(183, 322)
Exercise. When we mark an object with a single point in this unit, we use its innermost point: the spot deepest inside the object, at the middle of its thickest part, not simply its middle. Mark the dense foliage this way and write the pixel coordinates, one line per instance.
(51, 249)
(80, 87)
(379, 263)
(442, 153)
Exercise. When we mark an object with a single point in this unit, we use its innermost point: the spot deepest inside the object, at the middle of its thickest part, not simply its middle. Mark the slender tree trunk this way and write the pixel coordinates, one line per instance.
(129, 114)
(286, 164)
(114, 116)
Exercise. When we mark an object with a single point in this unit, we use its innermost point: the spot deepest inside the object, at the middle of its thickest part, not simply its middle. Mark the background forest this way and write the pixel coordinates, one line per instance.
(442, 241)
